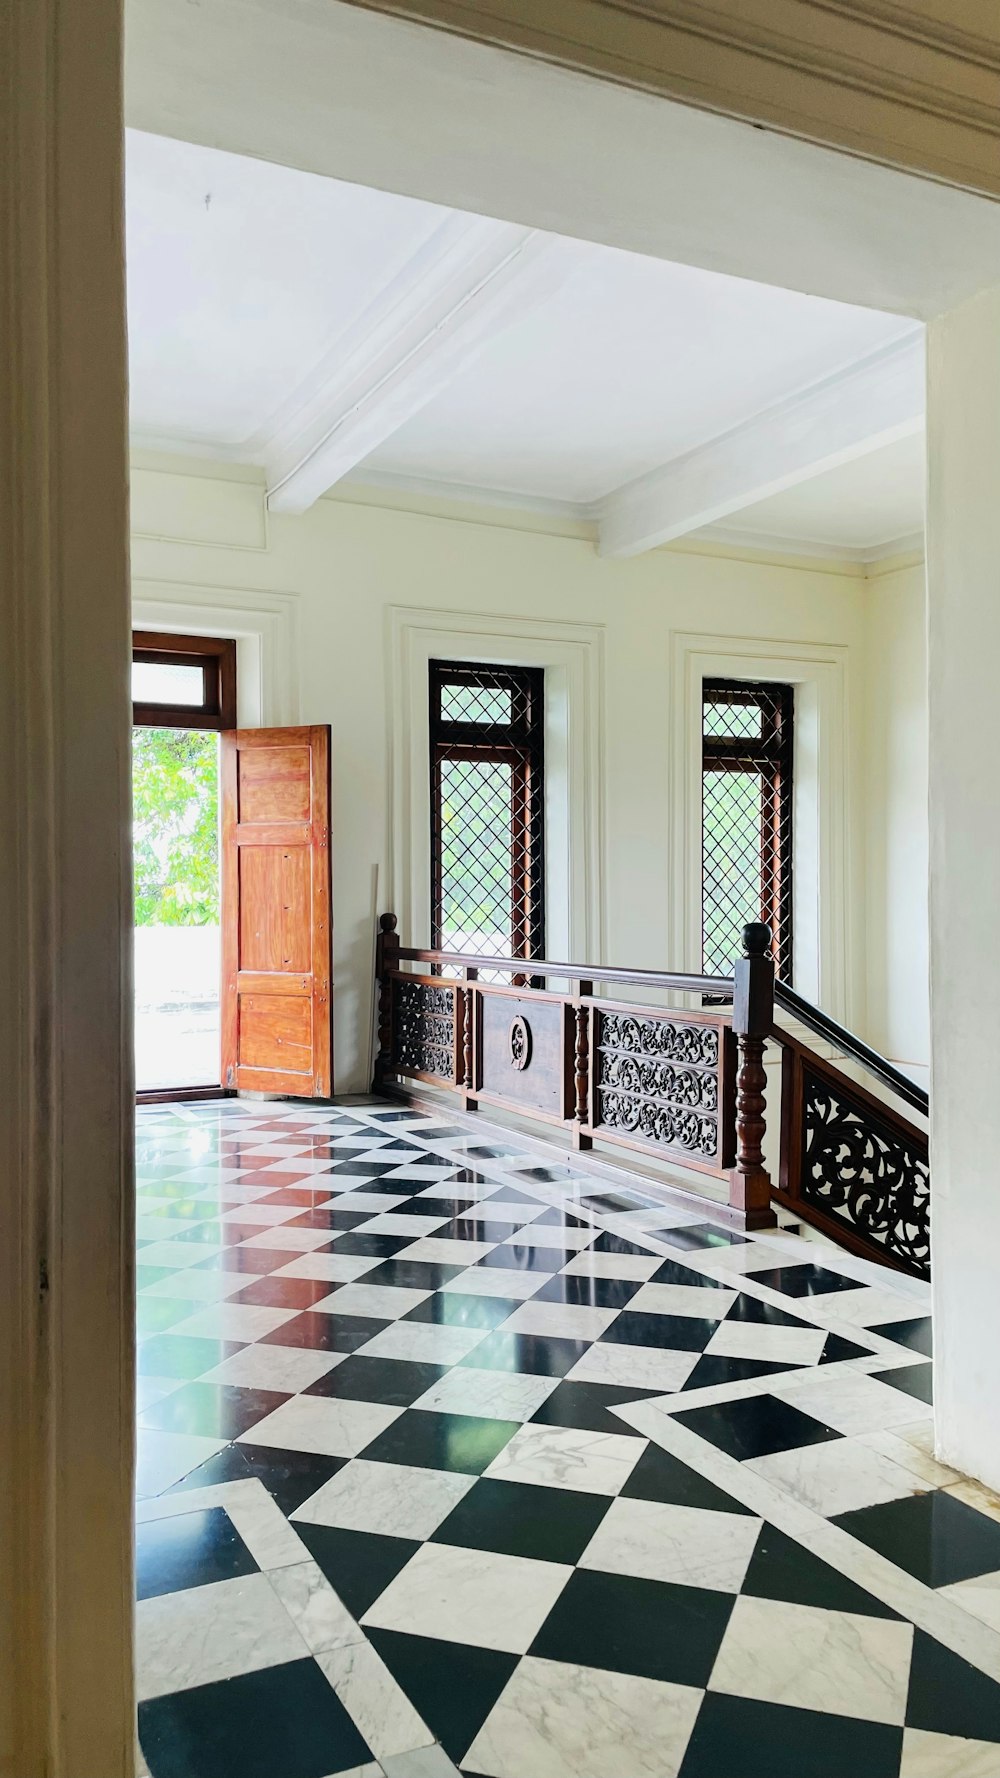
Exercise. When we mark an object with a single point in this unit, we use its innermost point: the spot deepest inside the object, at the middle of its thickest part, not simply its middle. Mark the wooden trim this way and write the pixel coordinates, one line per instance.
(167, 1095)
(215, 655)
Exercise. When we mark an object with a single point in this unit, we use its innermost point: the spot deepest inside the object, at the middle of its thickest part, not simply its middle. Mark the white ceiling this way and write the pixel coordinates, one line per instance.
(269, 309)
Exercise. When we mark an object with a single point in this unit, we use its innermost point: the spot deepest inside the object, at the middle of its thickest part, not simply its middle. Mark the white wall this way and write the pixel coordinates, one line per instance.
(898, 1013)
(324, 586)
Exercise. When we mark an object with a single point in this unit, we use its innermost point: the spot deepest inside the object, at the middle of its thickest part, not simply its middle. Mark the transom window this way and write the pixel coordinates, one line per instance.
(747, 758)
(487, 809)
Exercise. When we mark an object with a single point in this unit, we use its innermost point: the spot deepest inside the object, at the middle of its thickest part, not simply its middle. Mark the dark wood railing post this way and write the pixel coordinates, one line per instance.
(753, 1018)
(468, 1031)
(581, 1067)
(386, 961)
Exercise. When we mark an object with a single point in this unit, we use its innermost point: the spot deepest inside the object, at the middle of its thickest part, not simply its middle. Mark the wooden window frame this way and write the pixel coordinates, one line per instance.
(216, 659)
(772, 754)
(519, 744)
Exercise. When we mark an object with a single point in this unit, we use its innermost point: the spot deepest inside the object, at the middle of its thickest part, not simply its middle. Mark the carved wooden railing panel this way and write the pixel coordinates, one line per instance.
(424, 1030)
(660, 1080)
(852, 1165)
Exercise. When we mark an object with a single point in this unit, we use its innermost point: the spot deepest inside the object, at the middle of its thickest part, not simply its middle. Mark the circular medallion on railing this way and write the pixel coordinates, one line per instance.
(519, 1042)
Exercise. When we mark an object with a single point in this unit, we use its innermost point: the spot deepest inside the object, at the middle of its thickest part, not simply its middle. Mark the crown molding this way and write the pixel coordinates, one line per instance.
(906, 85)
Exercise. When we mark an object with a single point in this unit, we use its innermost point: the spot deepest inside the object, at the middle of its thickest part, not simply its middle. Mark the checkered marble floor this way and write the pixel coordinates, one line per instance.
(454, 1458)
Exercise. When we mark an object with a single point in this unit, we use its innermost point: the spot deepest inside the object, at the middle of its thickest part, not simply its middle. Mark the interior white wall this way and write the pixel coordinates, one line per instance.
(898, 1009)
(339, 570)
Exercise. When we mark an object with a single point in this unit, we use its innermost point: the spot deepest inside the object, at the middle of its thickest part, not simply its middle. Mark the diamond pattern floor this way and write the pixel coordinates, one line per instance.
(453, 1459)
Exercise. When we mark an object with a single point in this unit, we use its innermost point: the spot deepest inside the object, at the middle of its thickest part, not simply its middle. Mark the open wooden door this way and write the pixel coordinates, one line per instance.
(276, 926)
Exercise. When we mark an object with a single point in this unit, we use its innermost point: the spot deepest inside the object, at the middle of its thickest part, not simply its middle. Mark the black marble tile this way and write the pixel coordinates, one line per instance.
(712, 1369)
(782, 1569)
(932, 1536)
(587, 1407)
(182, 1355)
(321, 1216)
(751, 1309)
(283, 1293)
(608, 1243)
(191, 1550)
(949, 1697)
(672, 1272)
(745, 1738)
(515, 1258)
(364, 1169)
(453, 1308)
(411, 1274)
(756, 1426)
(803, 1280)
(486, 1151)
(461, 1442)
(396, 1382)
(911, 1379)
(367, 1246)
(358, 1564)
(451, 1686)
(320, 1332)
(441, 1208)
(700, 1234)
(547, 1175)
(659, 1475)
(647, 1627)
(290, 1477)
(836, 1349)
(546, 1524)
(285, 1719)
(532, 1354)
(672, 1333)
(598, 1293)
(916, 1334)
(475, 1228)
(211, 1410)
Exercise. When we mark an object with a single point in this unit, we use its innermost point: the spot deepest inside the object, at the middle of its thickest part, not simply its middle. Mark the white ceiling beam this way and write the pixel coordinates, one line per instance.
(872, 403)
(472, 278)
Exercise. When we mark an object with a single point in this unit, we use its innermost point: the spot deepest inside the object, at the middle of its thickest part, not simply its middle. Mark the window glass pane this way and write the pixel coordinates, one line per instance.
(732, 807)
(733, 719)
(475, 703)
(163, 682)
(476, 887)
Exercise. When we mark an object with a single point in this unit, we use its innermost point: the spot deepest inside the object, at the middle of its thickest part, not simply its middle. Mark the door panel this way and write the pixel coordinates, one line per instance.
(277, 944)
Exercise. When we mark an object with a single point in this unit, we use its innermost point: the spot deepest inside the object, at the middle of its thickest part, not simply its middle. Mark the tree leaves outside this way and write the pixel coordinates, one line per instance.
(175, 802)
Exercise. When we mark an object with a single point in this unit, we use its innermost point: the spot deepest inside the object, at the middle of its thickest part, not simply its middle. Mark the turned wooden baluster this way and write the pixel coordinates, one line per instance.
(386, 961)
(753, 1017)
(468, 1065)
(581, 1069)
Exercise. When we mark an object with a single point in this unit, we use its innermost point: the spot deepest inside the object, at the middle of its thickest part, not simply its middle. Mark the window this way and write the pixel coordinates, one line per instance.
(746, 819)
(183, 681)
(487, 809)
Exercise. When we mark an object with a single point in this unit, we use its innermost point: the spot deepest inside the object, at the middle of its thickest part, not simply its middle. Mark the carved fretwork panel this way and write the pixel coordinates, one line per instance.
(659, 1080)
(424, 1029)
(865, 1171)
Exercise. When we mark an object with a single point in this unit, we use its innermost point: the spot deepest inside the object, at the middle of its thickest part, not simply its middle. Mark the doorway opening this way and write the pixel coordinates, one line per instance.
(183, 696)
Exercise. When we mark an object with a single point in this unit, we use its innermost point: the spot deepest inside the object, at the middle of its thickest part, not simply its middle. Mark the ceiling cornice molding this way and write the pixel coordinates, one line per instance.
(902, 84)
(871, 403)
(472, 278)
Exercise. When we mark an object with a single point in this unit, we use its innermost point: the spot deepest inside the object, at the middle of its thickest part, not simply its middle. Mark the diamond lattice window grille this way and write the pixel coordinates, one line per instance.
(487, 811)
(747, 762)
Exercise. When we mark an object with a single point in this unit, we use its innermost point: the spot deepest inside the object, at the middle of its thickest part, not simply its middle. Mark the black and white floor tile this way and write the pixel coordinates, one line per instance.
(455, 1459)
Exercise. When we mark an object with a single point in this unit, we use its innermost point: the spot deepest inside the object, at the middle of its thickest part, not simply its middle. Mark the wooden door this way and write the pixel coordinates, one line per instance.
(276, 925)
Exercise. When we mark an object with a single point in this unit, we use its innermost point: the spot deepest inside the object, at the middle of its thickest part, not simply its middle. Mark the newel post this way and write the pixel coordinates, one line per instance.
(753, 1017)
(386, 961)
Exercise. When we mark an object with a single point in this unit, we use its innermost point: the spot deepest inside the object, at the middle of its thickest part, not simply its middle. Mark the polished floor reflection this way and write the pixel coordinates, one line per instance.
(454, 1459)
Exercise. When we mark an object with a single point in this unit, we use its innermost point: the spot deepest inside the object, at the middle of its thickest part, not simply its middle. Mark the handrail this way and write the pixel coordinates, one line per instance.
(720, 985)
(823, 1026)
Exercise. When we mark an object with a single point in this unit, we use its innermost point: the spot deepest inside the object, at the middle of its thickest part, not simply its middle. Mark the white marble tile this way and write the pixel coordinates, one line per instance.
(849, 1401)
(947, 1756)
(384, 1302)
(392, 1499)
(836, 1661)
(613, 1265)
(156, 1228)
(682, 1544)
(338, 1268)
(288, 1240)
(439, 1250)
(555, 1720)
(210, 1633)
(552, 1235)
(264, 1214)
(398, 1222)
(911, 1455)
(471, 1596)
(163, 1458)
(423, 1762)
(494, 1281)
(376, 1704)
(980, 1596)
(754, 1257)
(684, 1299)
(327, 1427)
(778, 1345)
(515, 1214)
(493, 1395)
(977, 1495)
(867, 1307)
(564, 1321)
(563, 1457)
(836, 1477)
(424, 1342)
(314, 1608)
(182, 1279)
(353, 1196)
(234, 1321)
(285, 1368)
(634, 1367)
(149, 1390)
